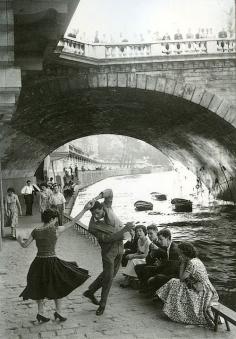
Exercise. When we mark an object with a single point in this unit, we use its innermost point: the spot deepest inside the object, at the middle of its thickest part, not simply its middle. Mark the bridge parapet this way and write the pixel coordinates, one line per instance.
(93, 52)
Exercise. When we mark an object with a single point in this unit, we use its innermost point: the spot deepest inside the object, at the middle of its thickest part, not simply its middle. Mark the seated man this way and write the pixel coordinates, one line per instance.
(169, 267)
(150, 268)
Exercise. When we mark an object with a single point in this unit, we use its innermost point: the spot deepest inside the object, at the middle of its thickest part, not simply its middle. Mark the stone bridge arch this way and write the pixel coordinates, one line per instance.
(186, 122)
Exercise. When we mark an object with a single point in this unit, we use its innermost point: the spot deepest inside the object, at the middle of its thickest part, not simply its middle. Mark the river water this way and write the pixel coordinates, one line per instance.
(211, 227)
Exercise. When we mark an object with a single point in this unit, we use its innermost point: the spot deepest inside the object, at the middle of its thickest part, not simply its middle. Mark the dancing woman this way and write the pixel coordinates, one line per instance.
(50, 277)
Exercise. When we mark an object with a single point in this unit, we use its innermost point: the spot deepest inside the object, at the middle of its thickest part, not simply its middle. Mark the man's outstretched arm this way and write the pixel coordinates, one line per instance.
(108, 238)
(107, 195)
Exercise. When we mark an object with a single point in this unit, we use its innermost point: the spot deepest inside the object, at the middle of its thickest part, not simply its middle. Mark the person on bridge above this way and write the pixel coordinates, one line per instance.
(189, 34)
(178, 35)
(50, 277)
(107, 228)
(188, 299)
(12, 207)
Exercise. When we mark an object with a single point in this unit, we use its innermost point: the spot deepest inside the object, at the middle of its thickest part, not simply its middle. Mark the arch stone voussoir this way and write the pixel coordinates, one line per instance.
(170, 86)
(215, 103)
(206, 99)
(131, 80)
(151, 82)
(112, 79)
(141, 81)
(179, 89)
(197, 95)
(93, 80)
(223, 109)
(188, 91)
(231, 116)
(102, 79)
(161, 84)
(122, 80)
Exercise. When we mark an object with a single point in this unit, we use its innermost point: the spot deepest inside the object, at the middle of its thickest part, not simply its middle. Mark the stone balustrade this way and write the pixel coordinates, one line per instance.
(137, 50)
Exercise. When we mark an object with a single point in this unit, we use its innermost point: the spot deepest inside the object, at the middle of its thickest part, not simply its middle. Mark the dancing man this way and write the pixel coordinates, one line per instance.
(109, 231)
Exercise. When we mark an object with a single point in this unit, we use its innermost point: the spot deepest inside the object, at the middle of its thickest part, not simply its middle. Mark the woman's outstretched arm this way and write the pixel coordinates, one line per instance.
(74, 220)
(25, 243)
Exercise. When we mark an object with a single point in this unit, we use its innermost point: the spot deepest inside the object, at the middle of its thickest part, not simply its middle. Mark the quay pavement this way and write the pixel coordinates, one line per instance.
(128, 314)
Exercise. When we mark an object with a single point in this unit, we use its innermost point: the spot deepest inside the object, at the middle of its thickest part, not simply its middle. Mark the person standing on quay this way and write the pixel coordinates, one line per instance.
(107, 228)
(58, 200)
(48, 276)
(12, 206)
(44, 198)
(28, 191)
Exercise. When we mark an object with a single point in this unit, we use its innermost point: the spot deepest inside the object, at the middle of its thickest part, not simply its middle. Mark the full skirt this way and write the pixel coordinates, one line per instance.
(185, 305)
(129, 269)
(52, 278)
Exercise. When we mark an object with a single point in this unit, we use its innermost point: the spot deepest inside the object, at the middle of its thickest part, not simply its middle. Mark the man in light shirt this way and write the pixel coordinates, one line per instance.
(28, 191)
(58, 201)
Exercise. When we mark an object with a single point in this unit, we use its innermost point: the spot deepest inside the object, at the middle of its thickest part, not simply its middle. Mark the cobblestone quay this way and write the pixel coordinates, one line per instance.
(128, 314)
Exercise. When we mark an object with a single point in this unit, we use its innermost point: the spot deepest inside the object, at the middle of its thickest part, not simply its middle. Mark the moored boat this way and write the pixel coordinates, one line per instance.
(158, 196)
(142, 205)
(182, 205)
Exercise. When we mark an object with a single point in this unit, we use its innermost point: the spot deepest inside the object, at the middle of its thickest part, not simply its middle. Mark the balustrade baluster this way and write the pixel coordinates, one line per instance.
(147, 49)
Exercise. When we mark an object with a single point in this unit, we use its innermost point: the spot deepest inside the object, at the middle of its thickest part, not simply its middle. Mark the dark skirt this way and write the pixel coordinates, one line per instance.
(52, 278)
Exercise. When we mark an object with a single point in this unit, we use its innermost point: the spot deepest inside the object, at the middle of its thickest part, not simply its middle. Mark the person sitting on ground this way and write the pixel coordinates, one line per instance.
(189, 298)
(169, 265)
(130, 246)
(138, 257)
(146, 270)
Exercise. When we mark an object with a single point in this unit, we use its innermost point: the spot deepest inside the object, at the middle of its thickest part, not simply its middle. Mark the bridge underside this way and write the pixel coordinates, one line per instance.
(53, 112)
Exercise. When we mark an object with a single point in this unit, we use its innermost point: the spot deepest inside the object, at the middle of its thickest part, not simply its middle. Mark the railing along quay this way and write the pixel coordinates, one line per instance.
(146, 49)
(81, 228)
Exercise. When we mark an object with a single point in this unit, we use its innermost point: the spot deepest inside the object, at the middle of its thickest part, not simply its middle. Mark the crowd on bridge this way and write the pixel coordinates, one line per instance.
(152, 37)
(171, 273)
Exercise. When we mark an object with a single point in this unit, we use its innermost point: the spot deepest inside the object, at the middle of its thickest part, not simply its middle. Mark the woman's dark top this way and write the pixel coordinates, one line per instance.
(46, 239)
(132, 244)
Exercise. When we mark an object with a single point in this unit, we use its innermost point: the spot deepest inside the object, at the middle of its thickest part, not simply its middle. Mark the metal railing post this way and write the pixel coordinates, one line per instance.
(2, 207)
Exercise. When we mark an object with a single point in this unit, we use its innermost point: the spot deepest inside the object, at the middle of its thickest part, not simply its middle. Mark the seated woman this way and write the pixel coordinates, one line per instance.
(188, 299)
(130, 247)
(138, 257)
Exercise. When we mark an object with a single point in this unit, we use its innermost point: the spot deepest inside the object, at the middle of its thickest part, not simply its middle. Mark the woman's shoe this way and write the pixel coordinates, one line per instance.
(42, 319)
(59, 317)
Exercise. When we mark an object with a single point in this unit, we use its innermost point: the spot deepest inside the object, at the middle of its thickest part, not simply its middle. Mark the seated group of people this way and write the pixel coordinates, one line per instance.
(170, 272)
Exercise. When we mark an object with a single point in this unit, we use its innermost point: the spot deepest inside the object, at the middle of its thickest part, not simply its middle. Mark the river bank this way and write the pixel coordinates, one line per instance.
(128, 314)
(211, 226)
